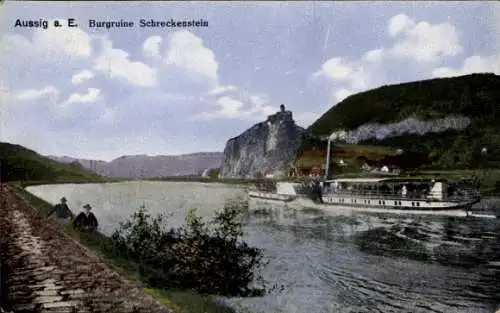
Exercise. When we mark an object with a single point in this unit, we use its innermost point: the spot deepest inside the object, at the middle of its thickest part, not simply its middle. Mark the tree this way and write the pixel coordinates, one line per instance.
(210, 258)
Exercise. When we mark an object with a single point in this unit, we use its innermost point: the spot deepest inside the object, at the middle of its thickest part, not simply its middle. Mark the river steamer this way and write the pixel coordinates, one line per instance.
(374, 193)
(400, 194)
(378, 193)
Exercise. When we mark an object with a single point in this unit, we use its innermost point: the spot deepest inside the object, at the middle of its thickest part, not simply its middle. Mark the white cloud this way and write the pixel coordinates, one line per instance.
(423, 42)
(221, 89)
(80, 106)
(375, 55)
(187, 51)
(420, 42)
(32, 94)
(116, 63)
(335, 68)
(88, 114)
(72, 41)
(81, 76)
(358, 75)
(240, 106)
(229, 107)
(399, 24)
(260, 109)
(151, 46)
(92, 95)
(473, 64)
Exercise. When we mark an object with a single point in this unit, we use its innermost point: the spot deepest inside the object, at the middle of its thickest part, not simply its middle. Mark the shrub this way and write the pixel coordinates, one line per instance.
(209, 258)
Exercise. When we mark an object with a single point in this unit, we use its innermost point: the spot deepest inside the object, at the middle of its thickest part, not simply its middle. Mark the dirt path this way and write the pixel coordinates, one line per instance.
(43, 270)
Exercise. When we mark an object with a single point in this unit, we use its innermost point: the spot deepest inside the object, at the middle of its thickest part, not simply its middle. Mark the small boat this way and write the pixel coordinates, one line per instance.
(271, 190)
(271, 196)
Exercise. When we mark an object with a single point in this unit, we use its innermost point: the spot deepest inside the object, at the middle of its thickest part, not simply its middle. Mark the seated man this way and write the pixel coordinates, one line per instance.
(86, 220)
(61, 212)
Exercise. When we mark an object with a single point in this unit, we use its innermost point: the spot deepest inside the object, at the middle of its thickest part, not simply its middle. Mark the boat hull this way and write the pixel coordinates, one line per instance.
(300, 203)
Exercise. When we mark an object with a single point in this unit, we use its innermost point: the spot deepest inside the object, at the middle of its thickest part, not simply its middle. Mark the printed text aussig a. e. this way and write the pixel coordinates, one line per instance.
(44, 24)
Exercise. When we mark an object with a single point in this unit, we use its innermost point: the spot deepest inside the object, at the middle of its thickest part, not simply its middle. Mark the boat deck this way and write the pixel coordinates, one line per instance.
(391, 197)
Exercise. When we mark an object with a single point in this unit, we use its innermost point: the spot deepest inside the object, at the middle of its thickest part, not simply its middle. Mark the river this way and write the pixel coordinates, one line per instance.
(313, 255)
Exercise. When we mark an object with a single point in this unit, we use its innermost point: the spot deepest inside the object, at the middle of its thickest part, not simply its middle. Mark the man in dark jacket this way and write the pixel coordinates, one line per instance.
(61, 212)
(86, 220)
(317, 189)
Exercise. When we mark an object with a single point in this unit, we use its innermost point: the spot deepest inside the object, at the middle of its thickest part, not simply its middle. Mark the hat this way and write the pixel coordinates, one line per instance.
(63, 199)
(87, 206)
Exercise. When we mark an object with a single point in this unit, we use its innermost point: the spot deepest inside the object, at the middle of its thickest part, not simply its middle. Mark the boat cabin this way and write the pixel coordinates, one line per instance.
(425, 189)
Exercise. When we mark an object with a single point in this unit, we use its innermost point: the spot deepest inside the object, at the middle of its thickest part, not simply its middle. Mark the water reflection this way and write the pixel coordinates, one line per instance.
(362, 262)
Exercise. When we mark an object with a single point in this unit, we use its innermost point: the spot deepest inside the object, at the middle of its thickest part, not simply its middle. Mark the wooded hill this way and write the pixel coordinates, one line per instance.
(18, 163)
(475, 96)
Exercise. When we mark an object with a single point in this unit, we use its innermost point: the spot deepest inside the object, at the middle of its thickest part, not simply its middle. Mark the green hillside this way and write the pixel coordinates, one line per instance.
(18, 163)
(475, 96)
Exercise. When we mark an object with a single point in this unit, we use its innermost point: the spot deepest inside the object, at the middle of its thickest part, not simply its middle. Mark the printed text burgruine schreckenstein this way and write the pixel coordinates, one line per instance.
(172, 23)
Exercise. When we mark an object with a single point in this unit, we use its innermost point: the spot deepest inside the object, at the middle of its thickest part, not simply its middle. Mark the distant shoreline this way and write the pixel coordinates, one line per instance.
(485, 177)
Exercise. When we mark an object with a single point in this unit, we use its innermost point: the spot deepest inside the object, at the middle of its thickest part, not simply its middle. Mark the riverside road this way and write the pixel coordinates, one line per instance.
(44, 270)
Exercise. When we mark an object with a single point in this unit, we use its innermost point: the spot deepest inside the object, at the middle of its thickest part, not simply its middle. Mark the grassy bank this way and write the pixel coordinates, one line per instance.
(178, 301)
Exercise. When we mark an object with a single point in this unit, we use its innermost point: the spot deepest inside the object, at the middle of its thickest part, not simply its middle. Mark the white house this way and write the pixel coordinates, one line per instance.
(341, 162)
(390, 169)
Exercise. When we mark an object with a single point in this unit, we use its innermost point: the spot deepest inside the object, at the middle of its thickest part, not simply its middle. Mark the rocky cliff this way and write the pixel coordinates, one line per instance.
(412, 126)
(266, 148)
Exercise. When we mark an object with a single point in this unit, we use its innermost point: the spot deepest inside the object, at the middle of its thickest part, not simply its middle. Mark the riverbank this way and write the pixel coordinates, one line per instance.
(486, 179)
(100, 180)
(44, 269)
(177, 301)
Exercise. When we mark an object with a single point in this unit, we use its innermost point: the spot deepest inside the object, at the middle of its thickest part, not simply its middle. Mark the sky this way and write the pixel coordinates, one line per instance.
(102, 93)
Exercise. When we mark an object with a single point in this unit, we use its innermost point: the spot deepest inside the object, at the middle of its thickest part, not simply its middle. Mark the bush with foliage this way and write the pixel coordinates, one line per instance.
(207, 257)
